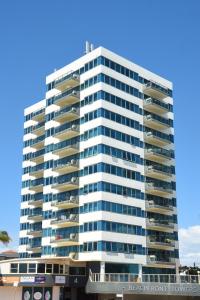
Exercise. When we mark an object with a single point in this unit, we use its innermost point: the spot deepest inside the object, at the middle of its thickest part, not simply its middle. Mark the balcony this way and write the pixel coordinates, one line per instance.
(38, 142)
(35, 217)
(38, 115)
(36, 203)
(164, 226)
(154, 261)
(67, 150)
(66, 114)
(158, 190)
(152, 138)
(68, 167)
(67, 81)
(37, 157)
(156, 90)
(156, 122)
(66, 185)
(36, 187)
(34, 248)
(38, 129)
(66, 203)
(160, 243)
(60, 240)
(155, 106)
(67, 133)
(152, 206)
(158, 154)
(37, 172)
(67, 98)
(159, 172)
(36, 232)
(66, 221)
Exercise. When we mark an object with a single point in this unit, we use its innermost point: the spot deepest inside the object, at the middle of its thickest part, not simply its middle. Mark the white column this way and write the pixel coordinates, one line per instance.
(102, 271)
(140, 273)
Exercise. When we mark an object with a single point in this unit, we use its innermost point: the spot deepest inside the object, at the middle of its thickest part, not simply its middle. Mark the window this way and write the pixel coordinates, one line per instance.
(41, 268)
(56, 269)
(61, 269)
(48, 268)
(14, 268)
(32, 268)
(22, 268)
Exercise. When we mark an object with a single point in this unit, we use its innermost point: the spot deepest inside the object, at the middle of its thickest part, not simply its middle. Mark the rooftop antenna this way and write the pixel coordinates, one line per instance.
(88, 47)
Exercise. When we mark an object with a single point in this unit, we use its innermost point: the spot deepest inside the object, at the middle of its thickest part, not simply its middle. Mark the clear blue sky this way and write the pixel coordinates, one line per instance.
(38, 36)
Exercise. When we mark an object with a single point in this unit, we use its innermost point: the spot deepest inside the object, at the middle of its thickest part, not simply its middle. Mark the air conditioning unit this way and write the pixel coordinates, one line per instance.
(151, 202)
(74, 127)
(74, 180)
(75, 76)
(72, 217)
(152, 258)
(152, 220)
(72, 236)
(73, 162)
(74, 93)
(72, 198)
(74, 110)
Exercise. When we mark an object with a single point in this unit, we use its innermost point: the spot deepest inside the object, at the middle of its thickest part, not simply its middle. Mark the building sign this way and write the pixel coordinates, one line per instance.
(27, 279)
(151, 288)
(40, 279)
(60, 279)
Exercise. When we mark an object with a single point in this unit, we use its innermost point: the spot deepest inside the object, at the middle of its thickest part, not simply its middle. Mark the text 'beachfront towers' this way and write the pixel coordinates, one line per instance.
(98, 180)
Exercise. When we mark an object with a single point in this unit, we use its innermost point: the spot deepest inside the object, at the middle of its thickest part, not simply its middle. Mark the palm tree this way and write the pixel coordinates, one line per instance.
(4, 237)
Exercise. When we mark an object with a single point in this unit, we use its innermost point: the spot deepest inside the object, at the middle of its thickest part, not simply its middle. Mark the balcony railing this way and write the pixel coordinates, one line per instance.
(35, 203)
(38, 142)
(66, 221)
(65, 167)
(156, 90)
(160, 243)
(160, 139)
(156, 207)
(68, 80)
(156, 189)
(69, 149)
(35, 217)
(156, 106)
(36, 248)
(71, 184)
(158, 154)
(39, 128)
(66, 132)
(38, 115)
(155, 260)
(157, 171)
(65, 240)
(156, 121)
(144, 278)
(67, 98)
(67, 202)
(37, 156)
(156, 224)
(36, 232)
(66, 114)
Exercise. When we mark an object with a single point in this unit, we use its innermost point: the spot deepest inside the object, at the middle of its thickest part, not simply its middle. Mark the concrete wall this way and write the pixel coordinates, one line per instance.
(10, 293)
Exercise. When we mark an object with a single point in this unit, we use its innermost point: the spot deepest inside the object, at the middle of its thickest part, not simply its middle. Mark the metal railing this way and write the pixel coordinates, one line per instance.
(144, 278)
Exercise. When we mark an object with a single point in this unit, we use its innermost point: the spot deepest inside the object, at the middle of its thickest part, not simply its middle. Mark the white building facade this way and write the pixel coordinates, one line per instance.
(98, 181)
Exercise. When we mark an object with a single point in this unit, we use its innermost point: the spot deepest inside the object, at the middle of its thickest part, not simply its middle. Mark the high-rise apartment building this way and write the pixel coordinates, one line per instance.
(98, 181)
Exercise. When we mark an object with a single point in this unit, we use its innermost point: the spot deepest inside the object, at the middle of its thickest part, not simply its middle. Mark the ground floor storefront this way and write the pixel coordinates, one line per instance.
(66, 293)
